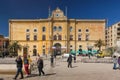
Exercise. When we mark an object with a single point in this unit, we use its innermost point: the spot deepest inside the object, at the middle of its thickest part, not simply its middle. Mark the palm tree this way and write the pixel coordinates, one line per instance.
(99, 43)
(14, 47)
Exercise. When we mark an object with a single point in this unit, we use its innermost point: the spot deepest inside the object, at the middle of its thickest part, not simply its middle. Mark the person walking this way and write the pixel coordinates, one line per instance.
(40, 66)
(115, 62)
(19, 67)
(52, 61)
(119, 61)
(69, 60)
(26, 65)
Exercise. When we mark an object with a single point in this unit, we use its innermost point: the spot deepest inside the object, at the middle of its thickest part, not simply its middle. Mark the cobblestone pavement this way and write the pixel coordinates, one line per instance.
(80, 71)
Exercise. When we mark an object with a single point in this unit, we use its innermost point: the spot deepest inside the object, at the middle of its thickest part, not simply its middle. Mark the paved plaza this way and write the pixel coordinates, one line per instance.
(80, 71)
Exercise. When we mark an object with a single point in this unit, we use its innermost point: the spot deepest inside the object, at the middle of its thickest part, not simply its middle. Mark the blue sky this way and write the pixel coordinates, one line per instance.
(78, 9)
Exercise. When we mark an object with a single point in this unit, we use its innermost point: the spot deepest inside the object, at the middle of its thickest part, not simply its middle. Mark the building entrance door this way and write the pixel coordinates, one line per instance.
(57, 50)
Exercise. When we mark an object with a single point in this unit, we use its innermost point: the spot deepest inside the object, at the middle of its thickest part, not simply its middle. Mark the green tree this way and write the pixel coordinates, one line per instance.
(14, 47)
(110, 50)
(99, 43)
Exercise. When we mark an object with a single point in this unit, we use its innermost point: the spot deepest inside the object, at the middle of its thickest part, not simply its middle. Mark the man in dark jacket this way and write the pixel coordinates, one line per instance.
(19, 67)
(69, 60)
(40, 66)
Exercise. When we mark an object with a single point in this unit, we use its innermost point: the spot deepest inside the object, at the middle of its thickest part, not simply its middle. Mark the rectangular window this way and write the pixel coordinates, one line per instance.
(28, 37)
(43, 29)
(35, 37)
(54, 37)
(43, 37)
(71, 37)
(71, 29)
(59, 37)
(87, 37)
(79, 37)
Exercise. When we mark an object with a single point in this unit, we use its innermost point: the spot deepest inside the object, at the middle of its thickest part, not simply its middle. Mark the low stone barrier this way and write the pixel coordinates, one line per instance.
(7, 61)
(99, 60)
(7, 68)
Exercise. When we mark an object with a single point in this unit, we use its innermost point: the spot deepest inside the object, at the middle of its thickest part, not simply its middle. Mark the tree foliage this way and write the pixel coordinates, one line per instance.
(99, 43)
(14, 47)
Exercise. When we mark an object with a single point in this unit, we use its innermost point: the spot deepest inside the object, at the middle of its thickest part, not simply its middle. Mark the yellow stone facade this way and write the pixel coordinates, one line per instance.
(56, 24)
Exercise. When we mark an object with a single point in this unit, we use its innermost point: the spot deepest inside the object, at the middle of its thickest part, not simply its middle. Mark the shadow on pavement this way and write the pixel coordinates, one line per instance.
(50, 74)
(34, 75)
(74, 66)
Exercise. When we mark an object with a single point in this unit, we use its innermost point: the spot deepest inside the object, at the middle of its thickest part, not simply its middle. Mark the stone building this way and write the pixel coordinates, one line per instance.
(4, 42)
(56, 34)
(113, 35)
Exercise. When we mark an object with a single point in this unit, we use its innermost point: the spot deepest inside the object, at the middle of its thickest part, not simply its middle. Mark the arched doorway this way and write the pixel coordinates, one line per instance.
(57, 50)
(34, 52)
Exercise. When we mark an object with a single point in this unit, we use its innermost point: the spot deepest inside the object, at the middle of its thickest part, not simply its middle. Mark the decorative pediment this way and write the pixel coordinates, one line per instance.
(58, 14)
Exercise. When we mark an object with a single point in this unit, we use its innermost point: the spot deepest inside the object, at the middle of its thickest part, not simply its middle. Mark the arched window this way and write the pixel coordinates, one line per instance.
(54, 28)
(34, 52)
(71, 28)
(59, 28)
(43, 29)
